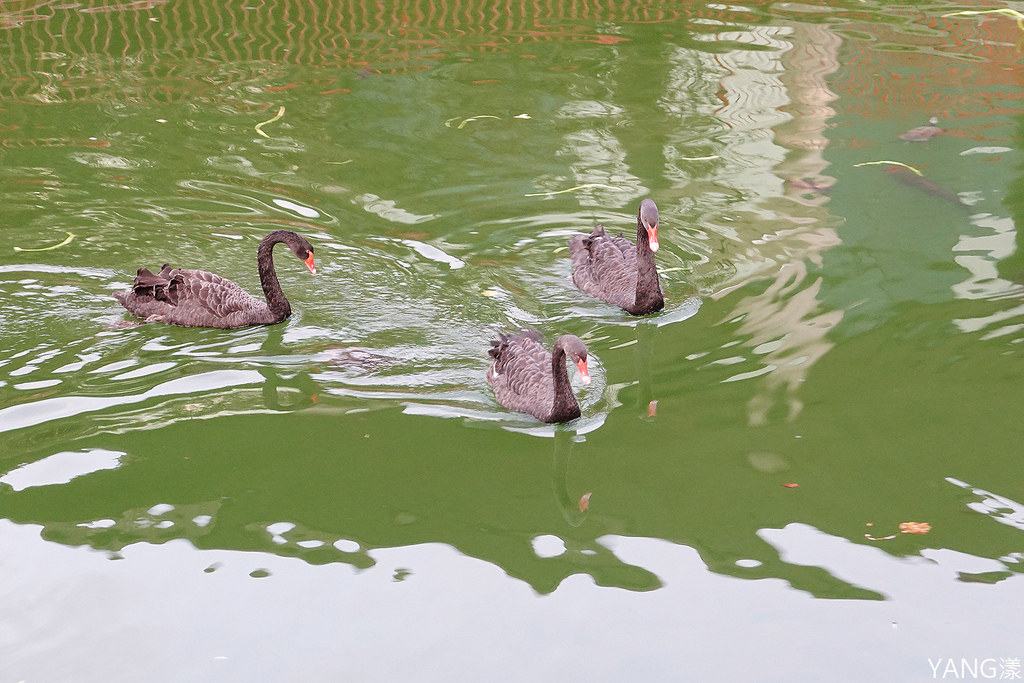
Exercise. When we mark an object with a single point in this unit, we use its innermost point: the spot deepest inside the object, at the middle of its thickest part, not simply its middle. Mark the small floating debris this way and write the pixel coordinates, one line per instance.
(652, 409)
(571, 189)
(905, 528)
(70, 237)
(522, 116)
(792, 486)
(584, 502)
(923, 133)
(259, 126)
(985, 150)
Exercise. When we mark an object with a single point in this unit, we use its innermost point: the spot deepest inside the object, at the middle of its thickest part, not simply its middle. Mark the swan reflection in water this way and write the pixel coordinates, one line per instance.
(286, 394)
(574, 508)
(643, 358)
(580, 548)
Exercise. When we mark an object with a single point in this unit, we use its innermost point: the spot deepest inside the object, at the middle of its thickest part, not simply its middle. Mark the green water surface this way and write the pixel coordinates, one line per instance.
(340, 497)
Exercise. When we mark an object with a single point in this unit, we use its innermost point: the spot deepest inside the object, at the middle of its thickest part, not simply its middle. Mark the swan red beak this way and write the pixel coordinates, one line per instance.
(309, 263)
(584, 375)
(652, 235)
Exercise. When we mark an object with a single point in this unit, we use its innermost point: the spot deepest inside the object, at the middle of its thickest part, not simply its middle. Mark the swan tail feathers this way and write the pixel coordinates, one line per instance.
(162, 286)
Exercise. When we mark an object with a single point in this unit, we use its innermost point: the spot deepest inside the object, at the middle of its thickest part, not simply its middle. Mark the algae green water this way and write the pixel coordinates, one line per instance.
(340, 497)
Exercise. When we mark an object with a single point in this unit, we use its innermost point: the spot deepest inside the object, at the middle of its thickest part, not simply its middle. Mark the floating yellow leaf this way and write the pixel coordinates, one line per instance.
(1007, 12)
(259, 126)
(895, 163)
(70, 237)
(448, 123)
(571, 189)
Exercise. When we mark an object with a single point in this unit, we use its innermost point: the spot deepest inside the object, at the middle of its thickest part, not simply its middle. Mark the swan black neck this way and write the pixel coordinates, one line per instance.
(276, 300)
(564, 407)
(649, 298)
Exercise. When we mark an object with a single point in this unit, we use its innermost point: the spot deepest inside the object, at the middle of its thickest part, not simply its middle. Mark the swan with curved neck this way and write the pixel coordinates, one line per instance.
(197, 298)
(613, 270)
(529, 379)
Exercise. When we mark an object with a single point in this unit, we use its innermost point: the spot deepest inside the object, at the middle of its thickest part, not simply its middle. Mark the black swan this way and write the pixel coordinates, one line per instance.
(528, 379)
(614, 270)
(196, 298)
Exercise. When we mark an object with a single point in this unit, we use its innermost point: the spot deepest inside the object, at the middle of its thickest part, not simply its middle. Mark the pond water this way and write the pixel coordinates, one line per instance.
(340, 496)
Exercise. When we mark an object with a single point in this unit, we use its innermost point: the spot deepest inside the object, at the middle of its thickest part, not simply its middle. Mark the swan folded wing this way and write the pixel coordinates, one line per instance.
(200, 290)
(579, 254)
(582, 257)
(521, 373)
(510, 352)
(605, 267)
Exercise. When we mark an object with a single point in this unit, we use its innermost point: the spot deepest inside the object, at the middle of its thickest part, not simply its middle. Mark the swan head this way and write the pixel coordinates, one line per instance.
(648, 218)
(577, 350)
(302, 249)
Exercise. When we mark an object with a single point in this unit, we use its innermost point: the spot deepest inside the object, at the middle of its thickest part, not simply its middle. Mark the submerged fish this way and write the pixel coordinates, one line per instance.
(908, 177)
(923, 133)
